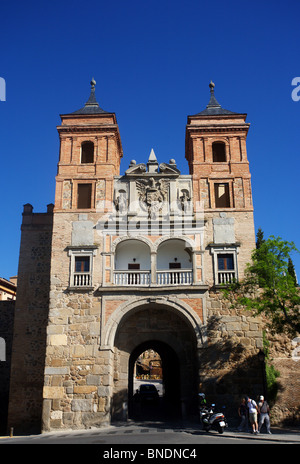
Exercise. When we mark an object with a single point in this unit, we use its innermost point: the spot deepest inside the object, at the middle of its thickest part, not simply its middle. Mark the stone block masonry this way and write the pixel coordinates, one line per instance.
(7, 313)
(31, 318)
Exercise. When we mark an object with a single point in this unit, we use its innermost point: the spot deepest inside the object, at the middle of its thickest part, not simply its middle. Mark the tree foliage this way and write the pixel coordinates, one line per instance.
(259, 238)
(272, 374)
(269, 287)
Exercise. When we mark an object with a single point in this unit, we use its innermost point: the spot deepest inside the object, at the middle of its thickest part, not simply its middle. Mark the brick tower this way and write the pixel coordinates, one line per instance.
(217, 158)
(90, 155)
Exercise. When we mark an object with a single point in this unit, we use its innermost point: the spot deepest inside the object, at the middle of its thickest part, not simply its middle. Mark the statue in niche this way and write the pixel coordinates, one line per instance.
(152, 194)
(185, 200)
(120, 202)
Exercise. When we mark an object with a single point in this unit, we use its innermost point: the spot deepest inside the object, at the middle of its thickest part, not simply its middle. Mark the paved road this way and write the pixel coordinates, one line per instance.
(154, 434)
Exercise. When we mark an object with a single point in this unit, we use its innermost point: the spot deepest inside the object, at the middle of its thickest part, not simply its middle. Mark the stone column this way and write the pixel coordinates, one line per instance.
(153, 267)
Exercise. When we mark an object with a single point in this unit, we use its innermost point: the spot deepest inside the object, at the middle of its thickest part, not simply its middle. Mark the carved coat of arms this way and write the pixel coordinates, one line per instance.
(152, 194)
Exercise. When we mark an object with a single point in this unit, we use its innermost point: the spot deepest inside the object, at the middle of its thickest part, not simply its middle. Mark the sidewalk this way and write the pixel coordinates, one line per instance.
(287, 435)
(279, 435)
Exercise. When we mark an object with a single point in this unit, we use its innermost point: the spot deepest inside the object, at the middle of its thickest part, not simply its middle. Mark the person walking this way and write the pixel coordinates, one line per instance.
(252, 408)
(263, 410)
(243, 414)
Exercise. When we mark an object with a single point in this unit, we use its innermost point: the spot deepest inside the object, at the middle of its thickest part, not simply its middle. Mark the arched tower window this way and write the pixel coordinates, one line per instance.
(219, 152)
(87, 152)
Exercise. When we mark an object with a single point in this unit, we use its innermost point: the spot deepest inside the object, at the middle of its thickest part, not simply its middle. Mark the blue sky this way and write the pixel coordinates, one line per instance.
(152, 62)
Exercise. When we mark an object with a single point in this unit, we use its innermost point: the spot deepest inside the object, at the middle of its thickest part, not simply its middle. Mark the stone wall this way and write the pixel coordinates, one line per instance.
(7, 312)
(229, 365)
(31, 316)
(284, 355)
(76, 372)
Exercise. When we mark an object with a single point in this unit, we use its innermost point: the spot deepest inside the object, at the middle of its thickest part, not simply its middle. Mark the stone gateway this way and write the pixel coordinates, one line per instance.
(121, 264)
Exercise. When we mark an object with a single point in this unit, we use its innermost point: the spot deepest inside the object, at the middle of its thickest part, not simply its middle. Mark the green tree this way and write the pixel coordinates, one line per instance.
(259, 238)
(291, 270)
(268, 288)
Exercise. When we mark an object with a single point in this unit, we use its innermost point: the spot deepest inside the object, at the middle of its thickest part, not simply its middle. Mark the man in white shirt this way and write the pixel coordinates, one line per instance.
(263, 409)
(252, 407)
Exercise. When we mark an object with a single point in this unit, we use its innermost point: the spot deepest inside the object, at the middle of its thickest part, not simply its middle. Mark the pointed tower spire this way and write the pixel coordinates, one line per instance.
(92, 99)
(91, 106)
(213, 108)
(152, 162)
(213, 103)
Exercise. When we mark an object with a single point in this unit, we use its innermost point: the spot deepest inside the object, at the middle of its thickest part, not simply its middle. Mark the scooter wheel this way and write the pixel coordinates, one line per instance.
(220, 429)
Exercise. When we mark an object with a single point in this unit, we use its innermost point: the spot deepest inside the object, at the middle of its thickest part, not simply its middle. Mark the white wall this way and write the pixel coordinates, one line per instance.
(130, 249)
(171, 249)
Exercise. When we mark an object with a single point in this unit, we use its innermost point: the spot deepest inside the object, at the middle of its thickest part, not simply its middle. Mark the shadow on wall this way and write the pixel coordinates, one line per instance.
(229, 370)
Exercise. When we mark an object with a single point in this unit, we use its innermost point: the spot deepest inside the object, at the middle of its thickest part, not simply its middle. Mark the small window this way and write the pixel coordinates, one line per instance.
(225, 262)
(219, 152)
(174, 265)
(82, 264)
(87, 152)
(222, 197)
(132, 266)
(226, 270)
(82, 272)
(84, 196)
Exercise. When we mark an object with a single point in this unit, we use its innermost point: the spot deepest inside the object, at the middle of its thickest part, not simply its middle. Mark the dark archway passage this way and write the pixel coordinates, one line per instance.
(168, 406)
(170, 334)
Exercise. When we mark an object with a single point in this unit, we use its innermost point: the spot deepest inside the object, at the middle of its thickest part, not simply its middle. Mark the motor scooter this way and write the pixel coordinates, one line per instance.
(212, 420)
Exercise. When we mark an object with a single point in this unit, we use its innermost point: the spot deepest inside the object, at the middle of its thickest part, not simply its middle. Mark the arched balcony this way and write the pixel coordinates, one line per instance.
(132, 263)
(174, 263)
(138, 263)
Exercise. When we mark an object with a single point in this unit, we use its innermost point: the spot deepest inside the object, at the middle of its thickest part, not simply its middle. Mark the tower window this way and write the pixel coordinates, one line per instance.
(84, 196)
(87, 152)
(219, 152)
(222, 197)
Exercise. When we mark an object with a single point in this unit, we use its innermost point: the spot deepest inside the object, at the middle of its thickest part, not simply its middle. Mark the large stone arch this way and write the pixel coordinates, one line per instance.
(172, 328)
(180, 306)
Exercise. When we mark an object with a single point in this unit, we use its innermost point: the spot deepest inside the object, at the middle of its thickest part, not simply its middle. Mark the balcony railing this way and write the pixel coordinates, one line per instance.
(82, 279)
(178, 277)
(226, 277)
(132, 278)
(143, 278)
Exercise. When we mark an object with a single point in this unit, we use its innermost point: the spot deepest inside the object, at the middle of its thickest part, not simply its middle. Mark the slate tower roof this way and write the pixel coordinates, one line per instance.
(91, 106)
(214, 108)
